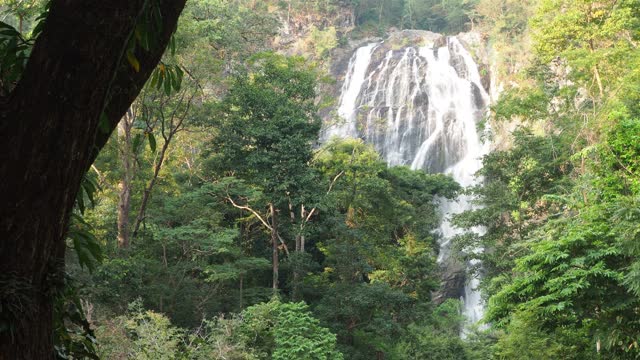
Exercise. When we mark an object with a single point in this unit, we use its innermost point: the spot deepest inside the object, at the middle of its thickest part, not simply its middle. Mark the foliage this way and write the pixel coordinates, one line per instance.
(506, 25)
(219, 338)
(139, 335)
(526, 340)
(516, 181)
(16, 51)
(450, 16)
(572, 275)
(213, 36)
(272, 330)
(287, 331)
(378, 247)
(267, 122)
(73, 335)
(323, 40)
(438, 339)
(558, 205)
(15, 41)
(594, 37)
(186, 258)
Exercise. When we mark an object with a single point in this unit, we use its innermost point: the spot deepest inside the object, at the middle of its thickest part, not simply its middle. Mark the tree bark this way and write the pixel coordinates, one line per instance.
(241, 291)
(169, 130)
(49, 136)
(596, 73)
(128, 170)
(147, 190)
(274, 247)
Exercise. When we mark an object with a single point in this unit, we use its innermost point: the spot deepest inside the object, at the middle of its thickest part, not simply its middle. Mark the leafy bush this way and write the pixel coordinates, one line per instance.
(282, 331)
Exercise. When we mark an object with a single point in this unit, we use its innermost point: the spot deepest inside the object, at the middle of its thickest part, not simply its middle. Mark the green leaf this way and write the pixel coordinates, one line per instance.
(162, 70)
(167, 83)
(80, 201)
(180, 73)
(176, 80)
(154, 79)
(85, 244)
(152, 142)
(137, 141)
(172, 44)
(133, 61)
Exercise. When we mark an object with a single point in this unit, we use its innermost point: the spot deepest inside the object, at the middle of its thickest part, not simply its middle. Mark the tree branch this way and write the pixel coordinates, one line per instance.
(247, 208)
(333, 182)
(262, 220)
(128, 82)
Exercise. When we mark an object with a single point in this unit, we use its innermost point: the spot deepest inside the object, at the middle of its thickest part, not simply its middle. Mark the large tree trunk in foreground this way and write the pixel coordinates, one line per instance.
(49, 136)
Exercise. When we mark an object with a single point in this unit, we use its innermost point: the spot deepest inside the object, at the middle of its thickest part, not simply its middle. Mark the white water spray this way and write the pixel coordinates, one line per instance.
(347, 111)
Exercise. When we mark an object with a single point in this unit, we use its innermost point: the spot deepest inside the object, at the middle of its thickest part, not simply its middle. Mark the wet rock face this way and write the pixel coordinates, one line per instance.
(406, 100)
(452, 282)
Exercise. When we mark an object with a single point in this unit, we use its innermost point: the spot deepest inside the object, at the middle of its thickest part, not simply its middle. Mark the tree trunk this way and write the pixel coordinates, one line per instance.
(124, 197)
(241, 291)
(49, 136)
(274, 247)
(292, 217)
(124, 207)
(596, 73)
(299, 249)
(147, 190)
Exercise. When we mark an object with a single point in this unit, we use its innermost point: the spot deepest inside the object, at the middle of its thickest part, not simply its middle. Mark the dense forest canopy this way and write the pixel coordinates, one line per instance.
(167, 195)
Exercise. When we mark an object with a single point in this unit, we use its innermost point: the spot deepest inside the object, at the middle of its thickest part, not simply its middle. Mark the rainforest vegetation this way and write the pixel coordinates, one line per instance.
(167, 195)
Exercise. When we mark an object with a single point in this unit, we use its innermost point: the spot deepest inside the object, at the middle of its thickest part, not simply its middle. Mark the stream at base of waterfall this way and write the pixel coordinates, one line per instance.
(420, 106)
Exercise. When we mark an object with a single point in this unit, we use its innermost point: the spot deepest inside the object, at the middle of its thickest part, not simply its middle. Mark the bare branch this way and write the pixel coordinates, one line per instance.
(333, 182)
(284, 245)
(255, 213)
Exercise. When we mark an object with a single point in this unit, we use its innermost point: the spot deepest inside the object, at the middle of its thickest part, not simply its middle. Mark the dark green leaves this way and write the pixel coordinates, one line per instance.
(84, 242)
(167, 78)
(88, 188)
(73, 336)
(152, 141)
(267, 123)
(15, 51)
(137, 141)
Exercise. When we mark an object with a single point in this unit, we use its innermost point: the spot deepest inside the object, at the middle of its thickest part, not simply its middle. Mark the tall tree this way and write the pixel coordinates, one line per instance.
(84, 71)
(269, 123)
(594, 37)
(127, 157)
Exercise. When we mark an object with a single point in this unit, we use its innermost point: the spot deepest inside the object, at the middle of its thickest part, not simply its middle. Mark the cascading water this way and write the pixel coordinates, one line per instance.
(419, 106)
(350, 90)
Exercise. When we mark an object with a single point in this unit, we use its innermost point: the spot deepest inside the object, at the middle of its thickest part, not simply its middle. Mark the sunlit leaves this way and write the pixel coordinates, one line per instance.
(596, 38)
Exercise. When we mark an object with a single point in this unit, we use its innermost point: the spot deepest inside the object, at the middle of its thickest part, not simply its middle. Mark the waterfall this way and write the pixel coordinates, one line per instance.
(347, 111)
(420, 106)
